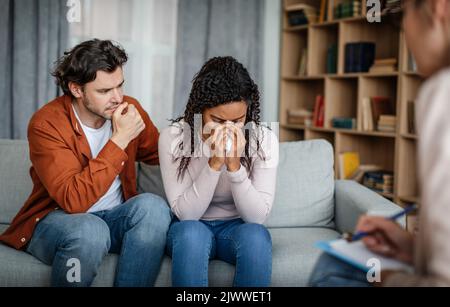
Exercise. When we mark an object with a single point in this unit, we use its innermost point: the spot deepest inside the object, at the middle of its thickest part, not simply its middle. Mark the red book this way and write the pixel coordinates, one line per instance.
(316, 111)
(381, 106)
(321, 120)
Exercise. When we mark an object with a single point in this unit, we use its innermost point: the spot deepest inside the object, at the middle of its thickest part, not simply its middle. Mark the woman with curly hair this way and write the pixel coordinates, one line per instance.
(220, 178)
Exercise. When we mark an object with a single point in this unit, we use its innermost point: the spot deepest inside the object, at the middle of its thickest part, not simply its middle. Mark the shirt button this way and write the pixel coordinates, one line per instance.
(37, 219)
(23, 240)
(123, 163)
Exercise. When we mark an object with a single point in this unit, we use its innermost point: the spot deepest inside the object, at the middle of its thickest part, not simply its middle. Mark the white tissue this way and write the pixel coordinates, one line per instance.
(228, 144)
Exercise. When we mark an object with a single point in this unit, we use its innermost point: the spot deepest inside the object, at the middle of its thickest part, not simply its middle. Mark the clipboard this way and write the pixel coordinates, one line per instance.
(357, 255)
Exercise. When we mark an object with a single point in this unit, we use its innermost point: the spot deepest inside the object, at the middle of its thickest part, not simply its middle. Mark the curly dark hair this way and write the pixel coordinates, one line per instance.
(221, 80)
(81, 63)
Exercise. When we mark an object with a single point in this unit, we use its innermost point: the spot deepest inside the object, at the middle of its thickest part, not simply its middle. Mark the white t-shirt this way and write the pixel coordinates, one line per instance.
(97, 139)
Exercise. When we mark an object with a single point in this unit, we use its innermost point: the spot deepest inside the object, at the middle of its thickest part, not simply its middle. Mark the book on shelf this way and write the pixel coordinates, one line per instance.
(302, 67)
(359, 56)
(300, 116)
(319, 111)
(323, 10)
(332, 59)
(384, 65)
(343, 122)
(366, 123)
(349, 163)
(301, 14)
(411, 114)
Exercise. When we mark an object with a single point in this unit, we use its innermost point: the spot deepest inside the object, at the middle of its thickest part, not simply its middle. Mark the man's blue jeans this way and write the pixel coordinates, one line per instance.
(191, 244)
(136, 230)
(332, 272)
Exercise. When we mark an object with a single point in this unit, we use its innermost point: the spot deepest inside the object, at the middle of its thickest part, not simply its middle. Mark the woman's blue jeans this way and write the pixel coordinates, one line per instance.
(191, 244)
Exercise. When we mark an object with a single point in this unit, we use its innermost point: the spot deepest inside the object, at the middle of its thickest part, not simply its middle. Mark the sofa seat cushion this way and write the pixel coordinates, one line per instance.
(294, 256)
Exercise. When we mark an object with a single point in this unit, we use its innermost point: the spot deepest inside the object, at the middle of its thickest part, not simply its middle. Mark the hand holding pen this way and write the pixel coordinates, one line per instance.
(384, 236)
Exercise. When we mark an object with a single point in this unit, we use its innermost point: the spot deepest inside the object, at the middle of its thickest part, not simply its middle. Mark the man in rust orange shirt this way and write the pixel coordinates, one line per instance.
(83, 149)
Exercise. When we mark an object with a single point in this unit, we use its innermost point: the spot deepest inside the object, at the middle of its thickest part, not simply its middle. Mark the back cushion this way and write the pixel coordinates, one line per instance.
(149, 180)
(15, 181)
(305, 186)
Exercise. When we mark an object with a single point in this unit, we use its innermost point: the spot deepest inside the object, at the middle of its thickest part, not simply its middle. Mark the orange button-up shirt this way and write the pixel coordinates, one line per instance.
(64, 174)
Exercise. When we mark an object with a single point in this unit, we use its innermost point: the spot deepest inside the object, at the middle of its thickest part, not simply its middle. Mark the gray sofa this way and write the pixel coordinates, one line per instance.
(309, 206)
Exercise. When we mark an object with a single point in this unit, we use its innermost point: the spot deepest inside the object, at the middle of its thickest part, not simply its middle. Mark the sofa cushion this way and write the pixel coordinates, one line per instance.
(305, 185)
(149, 180)
(294, 256)
(15, 181)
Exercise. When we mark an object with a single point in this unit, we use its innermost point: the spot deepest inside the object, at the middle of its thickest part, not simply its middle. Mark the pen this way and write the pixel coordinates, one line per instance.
(361, 234)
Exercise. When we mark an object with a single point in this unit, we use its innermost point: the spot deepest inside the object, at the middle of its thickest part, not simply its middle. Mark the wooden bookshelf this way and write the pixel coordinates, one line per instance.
(343, 93)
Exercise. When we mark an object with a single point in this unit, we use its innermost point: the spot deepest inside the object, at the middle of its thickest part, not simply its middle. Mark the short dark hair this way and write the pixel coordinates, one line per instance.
(81, 63)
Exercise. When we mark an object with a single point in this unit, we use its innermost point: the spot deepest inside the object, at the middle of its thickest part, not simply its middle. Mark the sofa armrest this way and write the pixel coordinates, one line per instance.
(353, 200)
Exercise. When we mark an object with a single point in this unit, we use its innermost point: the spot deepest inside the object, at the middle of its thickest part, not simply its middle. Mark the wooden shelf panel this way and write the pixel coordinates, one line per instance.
(296, 95)
(409, 86)
(290, 55)
(311, 134)
(407, 167)
(409, 136)
(337, 130)
(410, 199)
(320, 39)
(367, 133)
(340, 99)
(373, 150)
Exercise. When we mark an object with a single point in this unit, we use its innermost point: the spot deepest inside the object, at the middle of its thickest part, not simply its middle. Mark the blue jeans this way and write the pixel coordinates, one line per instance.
(191, 244)
(332, 272)
(136, 230)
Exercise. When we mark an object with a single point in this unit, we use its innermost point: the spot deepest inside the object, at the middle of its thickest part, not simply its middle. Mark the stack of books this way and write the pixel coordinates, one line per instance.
(351, 8)
(299, 117)
(301, 14)
(380, 181)
(387, 123)
(384, 65)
